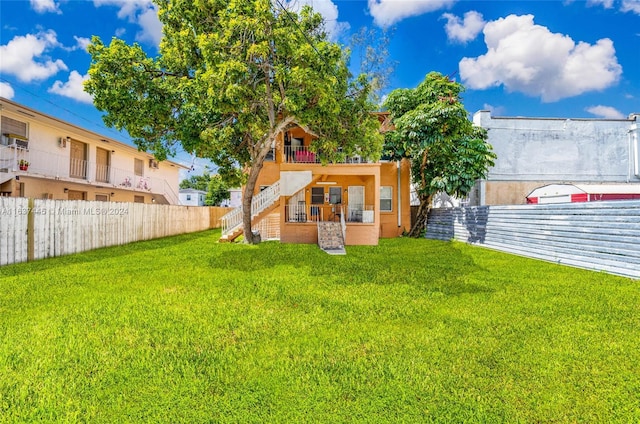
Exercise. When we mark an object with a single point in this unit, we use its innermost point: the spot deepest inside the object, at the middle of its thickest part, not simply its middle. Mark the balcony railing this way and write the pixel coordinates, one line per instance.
(302, 154)
(302, 212)
(57, 166)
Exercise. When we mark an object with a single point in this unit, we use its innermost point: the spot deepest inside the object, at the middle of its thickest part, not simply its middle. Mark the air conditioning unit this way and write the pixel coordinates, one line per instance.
(153, 164)
(15, 140)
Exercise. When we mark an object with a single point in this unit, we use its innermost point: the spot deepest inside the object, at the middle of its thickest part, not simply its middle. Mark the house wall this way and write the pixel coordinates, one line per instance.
(537, 151)
(41, 188)
(192, 197)
(50, 162)
(389, 224)
(369, 175)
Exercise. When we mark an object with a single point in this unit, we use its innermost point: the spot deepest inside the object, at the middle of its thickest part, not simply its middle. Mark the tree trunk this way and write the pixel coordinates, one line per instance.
(247, 199)
(421, 217)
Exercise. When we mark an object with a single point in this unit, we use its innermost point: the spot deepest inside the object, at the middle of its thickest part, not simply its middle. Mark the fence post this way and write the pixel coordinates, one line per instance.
(30, 231)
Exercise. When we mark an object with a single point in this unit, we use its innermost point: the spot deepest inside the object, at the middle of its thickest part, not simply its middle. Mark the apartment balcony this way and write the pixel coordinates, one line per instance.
(303, 212)
(60, 167)
(302, 154)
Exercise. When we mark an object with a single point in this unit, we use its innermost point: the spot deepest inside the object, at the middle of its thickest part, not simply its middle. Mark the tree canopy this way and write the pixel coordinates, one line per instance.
(230, 76)
(432, 129)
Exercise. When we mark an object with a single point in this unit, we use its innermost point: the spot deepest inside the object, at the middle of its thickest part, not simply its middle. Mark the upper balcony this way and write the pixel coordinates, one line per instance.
(304, 155)
(44, 164)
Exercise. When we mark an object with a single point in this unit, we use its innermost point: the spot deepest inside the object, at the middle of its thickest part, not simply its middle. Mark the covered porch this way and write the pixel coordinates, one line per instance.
(345, 195)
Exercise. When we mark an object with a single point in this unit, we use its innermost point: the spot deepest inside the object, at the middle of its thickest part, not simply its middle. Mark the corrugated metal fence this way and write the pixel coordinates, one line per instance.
(35, 229)
(601, 236)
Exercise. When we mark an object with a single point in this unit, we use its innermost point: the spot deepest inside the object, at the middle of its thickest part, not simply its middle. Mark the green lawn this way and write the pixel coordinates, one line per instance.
(187, 330)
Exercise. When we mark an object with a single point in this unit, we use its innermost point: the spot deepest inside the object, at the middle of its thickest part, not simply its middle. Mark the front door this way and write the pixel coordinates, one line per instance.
(78, 163)
(102, 165)
(356, 203)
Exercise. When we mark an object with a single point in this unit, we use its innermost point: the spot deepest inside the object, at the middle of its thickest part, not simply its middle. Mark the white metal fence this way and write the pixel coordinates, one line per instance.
(35, 228)
(601, 236)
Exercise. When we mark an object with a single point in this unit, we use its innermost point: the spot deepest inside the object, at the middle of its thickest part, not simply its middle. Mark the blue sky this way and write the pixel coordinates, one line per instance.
(516, 58)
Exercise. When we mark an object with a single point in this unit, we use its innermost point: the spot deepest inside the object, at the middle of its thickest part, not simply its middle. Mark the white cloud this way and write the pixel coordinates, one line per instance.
(24, 57)
(6, 90)
(141, 12)
(82, 42)
(607, 4)
(463, 30)
(528, 58)
(44, 6)
(631, 6)
(495, 110)
(73, 88)
(387, 12)
(606, 112)
(327, 9)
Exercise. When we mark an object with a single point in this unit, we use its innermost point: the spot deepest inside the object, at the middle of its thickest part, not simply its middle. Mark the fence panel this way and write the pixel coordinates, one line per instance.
(40, 228)
(602, 236)
(13, 229)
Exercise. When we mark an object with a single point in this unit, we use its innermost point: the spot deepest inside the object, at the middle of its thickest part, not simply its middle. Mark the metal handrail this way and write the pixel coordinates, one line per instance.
(259, 203)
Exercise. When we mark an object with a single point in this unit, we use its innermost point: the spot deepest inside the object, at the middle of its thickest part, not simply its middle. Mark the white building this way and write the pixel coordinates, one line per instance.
(535, 152)
(234, 200)
(44, 157)
(192, 197)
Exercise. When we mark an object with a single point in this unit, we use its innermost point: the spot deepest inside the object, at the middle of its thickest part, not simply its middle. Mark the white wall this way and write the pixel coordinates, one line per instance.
(560, 150)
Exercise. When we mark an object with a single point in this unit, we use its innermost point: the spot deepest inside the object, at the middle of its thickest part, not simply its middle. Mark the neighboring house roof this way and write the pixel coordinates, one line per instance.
(551, 190)
(191, 191)
(51, 120)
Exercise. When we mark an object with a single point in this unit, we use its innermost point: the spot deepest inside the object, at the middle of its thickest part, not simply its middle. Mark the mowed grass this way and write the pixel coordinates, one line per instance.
(187, 330)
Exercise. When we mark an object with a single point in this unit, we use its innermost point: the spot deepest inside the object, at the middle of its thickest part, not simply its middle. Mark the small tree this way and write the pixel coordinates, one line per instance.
(432, 129)
(215, 186)
(230, 76)
(196, 182)
(217, 191)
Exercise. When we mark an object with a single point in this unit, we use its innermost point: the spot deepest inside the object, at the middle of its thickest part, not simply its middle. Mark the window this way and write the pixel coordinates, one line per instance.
(138, 167)
(317, 195)
(335, 195)
(102, 197)
(188, 197)
(138, 199)
(386, 199)
(14, 127)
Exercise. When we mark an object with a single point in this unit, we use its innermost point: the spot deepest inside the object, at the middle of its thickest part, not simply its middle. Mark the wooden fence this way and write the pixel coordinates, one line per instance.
(602, 236)
(33, 229)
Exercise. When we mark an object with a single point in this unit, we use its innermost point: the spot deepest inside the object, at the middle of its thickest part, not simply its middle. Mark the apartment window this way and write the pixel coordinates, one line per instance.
(14, 127)
(317, 195)
(188, 197)
(386, 199)
(138, 167)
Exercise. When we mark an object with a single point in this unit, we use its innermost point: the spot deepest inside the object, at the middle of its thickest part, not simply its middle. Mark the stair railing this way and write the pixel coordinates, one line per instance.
(259, 203)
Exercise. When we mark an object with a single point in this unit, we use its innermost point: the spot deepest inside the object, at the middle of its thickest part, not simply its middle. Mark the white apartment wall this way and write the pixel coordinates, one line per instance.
(51, 160)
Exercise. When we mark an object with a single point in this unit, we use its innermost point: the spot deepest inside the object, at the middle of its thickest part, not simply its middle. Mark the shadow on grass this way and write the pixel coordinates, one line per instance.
(103, 253)
(428, 265)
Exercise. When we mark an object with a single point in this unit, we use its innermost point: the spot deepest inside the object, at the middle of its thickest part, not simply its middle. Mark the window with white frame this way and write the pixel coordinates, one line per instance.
(386, 199)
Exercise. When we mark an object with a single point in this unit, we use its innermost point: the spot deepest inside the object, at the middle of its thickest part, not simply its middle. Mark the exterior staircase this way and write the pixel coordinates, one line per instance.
(262, 204)
(331, 237)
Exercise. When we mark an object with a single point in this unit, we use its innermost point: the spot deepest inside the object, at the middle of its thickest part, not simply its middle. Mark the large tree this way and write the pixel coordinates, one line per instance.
(230, 76)
(432, 128)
